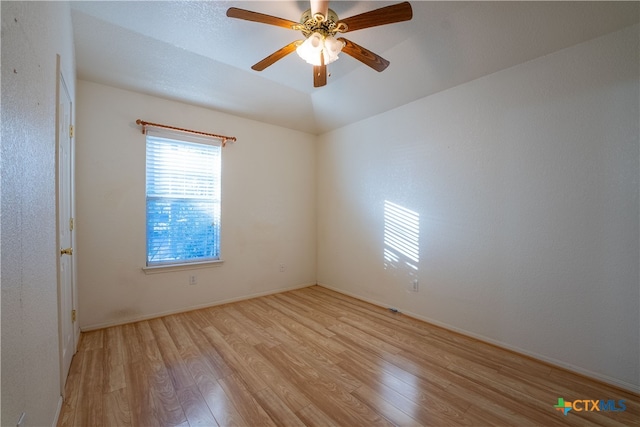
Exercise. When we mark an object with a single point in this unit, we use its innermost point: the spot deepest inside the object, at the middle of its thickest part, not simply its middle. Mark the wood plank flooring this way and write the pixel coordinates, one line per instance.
(314, 357)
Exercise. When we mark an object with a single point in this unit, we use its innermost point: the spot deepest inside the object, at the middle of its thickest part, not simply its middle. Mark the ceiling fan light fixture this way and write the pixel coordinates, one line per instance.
(317, 44)
(319, 25)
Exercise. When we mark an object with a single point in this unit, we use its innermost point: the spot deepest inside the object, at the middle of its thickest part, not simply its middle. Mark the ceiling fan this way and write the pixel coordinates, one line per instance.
(319, 25)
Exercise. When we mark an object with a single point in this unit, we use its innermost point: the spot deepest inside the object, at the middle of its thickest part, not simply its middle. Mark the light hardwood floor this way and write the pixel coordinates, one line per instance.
(318, 358)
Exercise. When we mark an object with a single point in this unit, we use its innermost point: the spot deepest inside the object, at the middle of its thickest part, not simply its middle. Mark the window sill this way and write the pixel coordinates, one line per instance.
(181, 267)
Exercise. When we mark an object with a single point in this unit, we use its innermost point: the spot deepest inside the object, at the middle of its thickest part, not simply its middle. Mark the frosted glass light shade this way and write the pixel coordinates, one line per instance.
(315, 45)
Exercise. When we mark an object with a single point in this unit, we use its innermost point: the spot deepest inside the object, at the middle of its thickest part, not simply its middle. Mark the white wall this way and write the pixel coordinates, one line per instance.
(526, 186)
(268, 209)
(32, 35)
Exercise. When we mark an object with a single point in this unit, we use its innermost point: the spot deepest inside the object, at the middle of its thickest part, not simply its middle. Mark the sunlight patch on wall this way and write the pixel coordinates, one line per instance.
(401, 237)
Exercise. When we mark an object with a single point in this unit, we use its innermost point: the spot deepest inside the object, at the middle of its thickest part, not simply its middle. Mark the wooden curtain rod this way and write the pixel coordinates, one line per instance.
(211, 135)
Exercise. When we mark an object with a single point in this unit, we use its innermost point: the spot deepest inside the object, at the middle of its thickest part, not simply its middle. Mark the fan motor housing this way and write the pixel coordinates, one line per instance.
(319, 24)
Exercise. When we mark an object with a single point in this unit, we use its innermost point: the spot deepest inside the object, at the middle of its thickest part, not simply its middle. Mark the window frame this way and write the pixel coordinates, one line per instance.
(183, 263)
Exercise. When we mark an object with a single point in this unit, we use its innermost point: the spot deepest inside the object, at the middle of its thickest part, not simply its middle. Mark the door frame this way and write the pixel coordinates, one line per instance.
(60, 87)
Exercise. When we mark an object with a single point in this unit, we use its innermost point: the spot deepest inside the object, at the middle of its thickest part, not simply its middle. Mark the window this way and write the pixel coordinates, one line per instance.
(183, 199)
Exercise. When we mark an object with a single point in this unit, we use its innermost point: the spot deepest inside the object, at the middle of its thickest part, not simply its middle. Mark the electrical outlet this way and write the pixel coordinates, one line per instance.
(414, 285)
(282, 268)
(193, 280)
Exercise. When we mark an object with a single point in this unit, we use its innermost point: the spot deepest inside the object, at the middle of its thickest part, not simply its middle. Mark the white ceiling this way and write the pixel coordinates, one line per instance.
(191, 51)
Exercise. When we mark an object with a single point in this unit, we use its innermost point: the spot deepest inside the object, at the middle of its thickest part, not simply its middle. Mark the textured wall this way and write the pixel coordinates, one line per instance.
(32, 34)
(268, 209)
(525, 185)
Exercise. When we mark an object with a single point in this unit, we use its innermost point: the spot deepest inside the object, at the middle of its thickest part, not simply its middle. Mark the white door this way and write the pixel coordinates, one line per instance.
(65, 231)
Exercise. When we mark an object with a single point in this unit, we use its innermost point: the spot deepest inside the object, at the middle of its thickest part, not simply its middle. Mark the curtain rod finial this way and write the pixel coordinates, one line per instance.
(144, 126)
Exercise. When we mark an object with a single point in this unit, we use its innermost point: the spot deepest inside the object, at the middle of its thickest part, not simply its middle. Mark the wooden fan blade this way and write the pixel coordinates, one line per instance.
(247, 15)
(385, 15)
(319, 75)
(276, 56)
(363, 55)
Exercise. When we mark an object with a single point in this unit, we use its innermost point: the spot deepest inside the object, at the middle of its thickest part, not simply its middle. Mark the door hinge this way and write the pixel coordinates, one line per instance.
(70, 224)
(70, 131)
(73, 316)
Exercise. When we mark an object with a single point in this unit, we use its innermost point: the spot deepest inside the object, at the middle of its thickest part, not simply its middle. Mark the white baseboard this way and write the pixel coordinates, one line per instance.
(633, 388)
(191, 308)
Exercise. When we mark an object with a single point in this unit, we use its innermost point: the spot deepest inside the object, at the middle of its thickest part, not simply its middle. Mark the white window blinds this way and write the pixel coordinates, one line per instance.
(183, 200)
